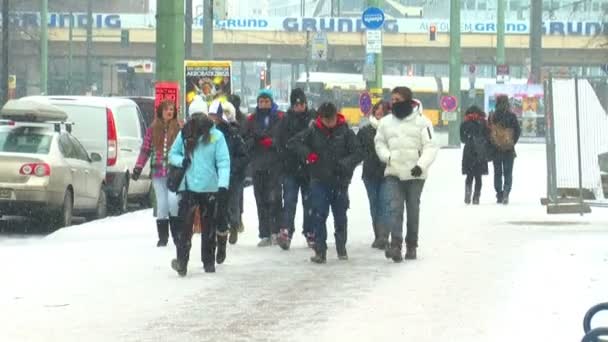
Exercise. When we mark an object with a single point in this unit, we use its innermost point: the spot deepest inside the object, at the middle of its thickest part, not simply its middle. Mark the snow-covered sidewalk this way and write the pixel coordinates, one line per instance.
(485, 273)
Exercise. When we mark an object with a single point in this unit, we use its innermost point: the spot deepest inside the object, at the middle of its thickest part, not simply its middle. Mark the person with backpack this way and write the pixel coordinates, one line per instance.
(373, 170)
(157, 142)
(331, 152)
(475, 135)
(504, 134)
(405, 143)
(201, 150)
(230, 221)
(261, 133)
(295, 179)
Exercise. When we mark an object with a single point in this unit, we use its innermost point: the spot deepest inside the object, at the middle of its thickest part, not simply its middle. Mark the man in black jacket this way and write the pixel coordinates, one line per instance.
(260, 134)
(295, 179)
(504, 134)
(331, 151)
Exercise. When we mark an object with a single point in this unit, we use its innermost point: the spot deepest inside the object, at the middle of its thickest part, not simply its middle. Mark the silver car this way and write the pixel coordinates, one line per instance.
(46, 171)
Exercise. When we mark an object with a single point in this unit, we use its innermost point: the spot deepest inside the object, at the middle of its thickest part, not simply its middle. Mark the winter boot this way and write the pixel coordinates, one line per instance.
(320, 257)
(284, 240)
(174, 225)
(234, 235)
(221, 248)
(505, 198)
(162, 226)
(499, 197)
(394, 251)
(342, 254)
(209, 268)
(410, 252)
(476, 199)
(265, 242)
(241, 227)
(179, 267)
(310, 240)
(467, 193)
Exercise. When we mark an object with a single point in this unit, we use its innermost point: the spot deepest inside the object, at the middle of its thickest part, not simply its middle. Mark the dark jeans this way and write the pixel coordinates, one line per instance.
(394, 193)
(291, 186)
(207, 205)
(268, 193)
(373, 186)
(234, 204)
(323, 196)
(478, 183)
(503, 166)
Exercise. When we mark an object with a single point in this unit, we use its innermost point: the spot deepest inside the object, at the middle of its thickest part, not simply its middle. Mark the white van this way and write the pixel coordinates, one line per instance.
(114, 128)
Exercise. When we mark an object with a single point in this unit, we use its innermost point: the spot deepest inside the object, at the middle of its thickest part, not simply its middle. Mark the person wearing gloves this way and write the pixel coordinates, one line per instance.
(295, 179)
(202, 151)
(261, 132)
(220, 113)
(405, 143)
(157, 142)
(331, 151)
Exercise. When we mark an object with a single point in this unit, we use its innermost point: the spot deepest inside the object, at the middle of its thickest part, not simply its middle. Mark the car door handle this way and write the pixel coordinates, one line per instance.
(126, 149)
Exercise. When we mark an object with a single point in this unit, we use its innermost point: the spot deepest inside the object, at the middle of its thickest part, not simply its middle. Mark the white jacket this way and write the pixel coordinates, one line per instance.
(403, 144)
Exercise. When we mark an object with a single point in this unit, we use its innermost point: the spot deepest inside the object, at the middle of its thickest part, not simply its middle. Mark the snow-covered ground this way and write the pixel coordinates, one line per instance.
(485, 273)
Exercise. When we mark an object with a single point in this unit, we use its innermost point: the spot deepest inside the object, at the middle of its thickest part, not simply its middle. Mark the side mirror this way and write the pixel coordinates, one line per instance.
(95, 157)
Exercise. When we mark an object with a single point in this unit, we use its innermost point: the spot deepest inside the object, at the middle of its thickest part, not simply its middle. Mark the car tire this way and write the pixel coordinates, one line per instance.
(120, 203)
(102, 205)
(63, 218)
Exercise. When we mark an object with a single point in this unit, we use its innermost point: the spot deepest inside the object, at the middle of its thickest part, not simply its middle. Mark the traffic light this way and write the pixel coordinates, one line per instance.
(124, 38)
(262, 79)
(433, 32)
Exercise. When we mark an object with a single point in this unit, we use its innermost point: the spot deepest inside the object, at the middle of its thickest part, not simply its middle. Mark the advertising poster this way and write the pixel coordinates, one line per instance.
(207, 79)
(527, 103)
(166, 91)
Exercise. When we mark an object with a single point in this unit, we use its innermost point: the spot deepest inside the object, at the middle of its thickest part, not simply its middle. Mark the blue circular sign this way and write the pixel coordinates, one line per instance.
(365, 103)
(373, 18)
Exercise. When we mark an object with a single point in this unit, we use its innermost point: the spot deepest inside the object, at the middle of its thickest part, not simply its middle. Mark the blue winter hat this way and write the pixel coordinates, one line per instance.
(266, 93)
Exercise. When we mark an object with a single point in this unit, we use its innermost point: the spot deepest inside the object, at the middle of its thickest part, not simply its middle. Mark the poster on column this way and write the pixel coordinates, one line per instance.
(208, 80)
(527, 103)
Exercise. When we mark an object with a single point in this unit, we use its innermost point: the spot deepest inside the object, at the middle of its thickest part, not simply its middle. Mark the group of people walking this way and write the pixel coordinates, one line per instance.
(302, 152)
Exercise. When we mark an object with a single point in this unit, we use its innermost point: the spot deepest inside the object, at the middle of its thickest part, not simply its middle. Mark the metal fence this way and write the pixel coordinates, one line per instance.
(577, 144)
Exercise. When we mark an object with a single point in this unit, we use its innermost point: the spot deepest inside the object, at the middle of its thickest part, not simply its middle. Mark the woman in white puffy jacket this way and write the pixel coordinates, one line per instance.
(405, 142)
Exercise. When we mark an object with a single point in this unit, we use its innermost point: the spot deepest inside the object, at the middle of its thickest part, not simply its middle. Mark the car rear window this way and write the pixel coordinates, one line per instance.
(25, 140)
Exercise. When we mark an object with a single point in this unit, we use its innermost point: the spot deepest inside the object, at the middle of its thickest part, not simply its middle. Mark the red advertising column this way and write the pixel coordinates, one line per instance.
(167, 91)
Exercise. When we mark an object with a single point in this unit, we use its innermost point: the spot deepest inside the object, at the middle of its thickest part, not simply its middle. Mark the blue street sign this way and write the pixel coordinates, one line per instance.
(370, 59)
(373, 18)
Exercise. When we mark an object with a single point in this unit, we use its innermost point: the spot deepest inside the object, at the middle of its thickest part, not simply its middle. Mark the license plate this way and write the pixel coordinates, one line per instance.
(6, 193)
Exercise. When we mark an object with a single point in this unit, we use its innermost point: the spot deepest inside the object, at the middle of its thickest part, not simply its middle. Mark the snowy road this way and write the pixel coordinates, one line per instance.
(486, 273)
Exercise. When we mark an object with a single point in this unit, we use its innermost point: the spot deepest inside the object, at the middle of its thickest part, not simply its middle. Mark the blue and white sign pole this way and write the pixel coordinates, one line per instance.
(373, 20)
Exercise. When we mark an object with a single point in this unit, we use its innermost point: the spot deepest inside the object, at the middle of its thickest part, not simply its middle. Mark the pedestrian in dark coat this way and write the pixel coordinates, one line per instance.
(331, 151)
(239, 121)
(261, 133)
(474, 134)
(295, 180)
(504, 134)
(229, 218)
(373, 169)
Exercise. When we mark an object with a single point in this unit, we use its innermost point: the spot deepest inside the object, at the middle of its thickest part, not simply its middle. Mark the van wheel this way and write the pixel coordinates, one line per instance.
(102, 205)
(120, 204)
(63, 218)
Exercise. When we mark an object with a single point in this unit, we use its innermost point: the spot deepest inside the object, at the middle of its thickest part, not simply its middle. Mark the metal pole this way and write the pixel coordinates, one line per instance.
(5, 48)
(536, 38)
(170, 43)
(44, 46)
(500, 33)
(455, 70)
(188, 52)
(578, 147)
(88, 76)
(375, 86)
(208, 30)
(243, 79)
(307, 61)
(70, 53)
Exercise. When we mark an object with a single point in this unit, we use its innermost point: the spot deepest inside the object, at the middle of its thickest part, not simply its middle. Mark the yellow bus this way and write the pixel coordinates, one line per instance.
(344, 90)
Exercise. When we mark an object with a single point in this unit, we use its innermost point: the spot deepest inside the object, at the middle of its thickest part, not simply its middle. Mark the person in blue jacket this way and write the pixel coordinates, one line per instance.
(201, 149)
